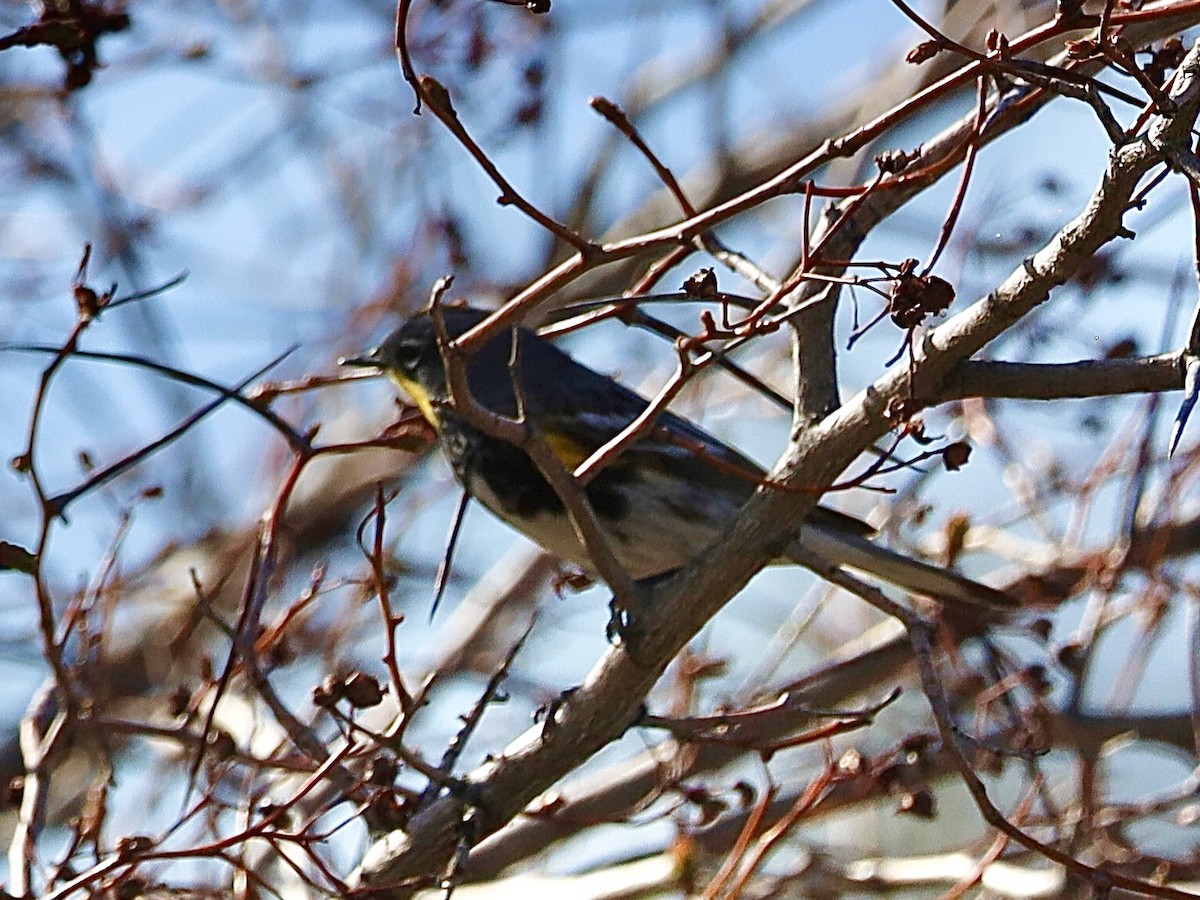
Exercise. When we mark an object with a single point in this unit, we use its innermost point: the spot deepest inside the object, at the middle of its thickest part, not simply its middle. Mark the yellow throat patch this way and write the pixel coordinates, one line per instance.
(420, 397)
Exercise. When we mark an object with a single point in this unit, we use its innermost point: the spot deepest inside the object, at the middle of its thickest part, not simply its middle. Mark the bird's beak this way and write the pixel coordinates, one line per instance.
(370, 361)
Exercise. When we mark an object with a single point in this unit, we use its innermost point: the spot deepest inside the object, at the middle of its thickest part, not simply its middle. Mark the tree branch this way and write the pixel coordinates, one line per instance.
(608, 702)
(1061, 381)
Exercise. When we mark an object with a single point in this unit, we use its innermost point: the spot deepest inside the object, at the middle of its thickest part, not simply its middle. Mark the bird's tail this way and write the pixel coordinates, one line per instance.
(857, 552)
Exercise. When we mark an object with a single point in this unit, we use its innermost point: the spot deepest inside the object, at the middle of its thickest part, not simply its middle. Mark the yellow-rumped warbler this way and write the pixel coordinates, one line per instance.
(660, 502)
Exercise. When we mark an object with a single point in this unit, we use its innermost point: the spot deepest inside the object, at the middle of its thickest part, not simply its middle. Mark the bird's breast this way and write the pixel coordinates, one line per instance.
(655, 521)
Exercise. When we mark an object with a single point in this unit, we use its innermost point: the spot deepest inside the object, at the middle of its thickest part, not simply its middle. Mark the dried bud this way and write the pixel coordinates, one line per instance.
(918, 803)
(358, 689)
(956, 530)
(702, 285)
(851, 763)
(1037, 679)
(383, 770)
(893, 162)
(87, 302)
(362, 691)
(915, 297)
(326, 694)
(923, 52)
(915, 745)
(901, 410)
(435, 94)
(1082, 49)
(939, 294)
(607, 108)
(955, 456)
(133, 844)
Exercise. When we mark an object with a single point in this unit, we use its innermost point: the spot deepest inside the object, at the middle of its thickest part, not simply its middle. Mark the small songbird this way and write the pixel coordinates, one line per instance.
(660, 502)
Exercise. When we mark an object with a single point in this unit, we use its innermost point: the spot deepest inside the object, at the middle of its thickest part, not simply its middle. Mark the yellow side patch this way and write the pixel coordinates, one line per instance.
(418, 396)
(569, 452)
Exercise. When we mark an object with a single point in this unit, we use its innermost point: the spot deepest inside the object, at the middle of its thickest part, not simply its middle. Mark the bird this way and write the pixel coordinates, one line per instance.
(664, 499)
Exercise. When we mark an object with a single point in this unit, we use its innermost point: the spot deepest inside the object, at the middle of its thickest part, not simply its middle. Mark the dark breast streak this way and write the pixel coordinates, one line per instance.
(516, 482)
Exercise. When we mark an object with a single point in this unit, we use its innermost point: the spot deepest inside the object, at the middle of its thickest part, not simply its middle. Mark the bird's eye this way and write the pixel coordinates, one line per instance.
(410, 353)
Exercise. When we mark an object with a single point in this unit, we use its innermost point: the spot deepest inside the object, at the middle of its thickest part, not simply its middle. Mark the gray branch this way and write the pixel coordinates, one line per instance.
(607, 704)
(1061, 381)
